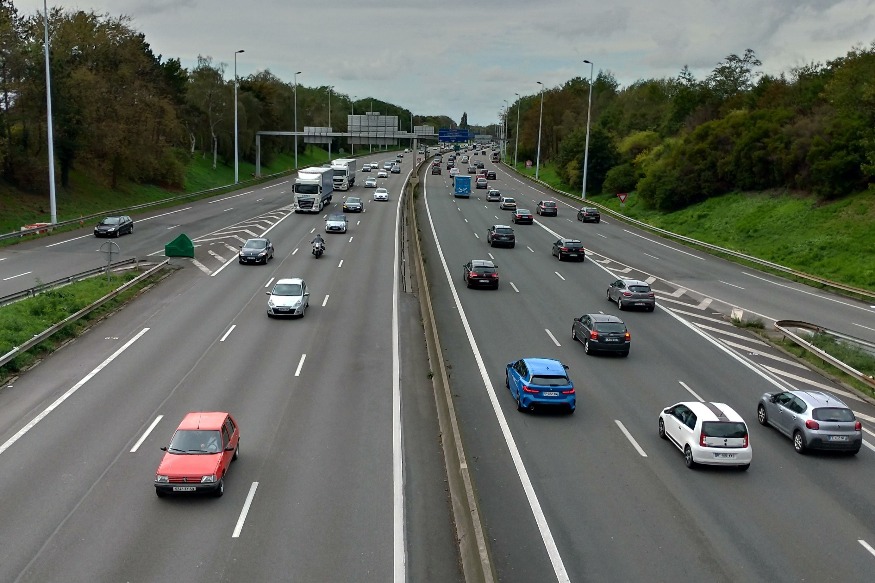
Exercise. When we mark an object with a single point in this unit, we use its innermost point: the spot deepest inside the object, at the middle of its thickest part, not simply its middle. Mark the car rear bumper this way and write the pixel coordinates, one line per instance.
(576, 256)
(603, 346)
(567, 401)
(853, 443)
(719, 456)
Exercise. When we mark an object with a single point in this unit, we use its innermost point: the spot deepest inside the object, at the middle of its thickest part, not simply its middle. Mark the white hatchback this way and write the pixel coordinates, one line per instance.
(707, 434)
(381, 194)
(289, 297)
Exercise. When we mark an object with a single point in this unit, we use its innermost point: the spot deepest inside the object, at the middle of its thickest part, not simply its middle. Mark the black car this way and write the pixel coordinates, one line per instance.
(472, 169)
(522, 217)
(353, 204)
(258, 250)
(114, 226)
(500, 235)
(480, 273)
(435, 169)
(396, 169)
(570, 248)
(601, 333)
(589, 215)
(479, 164)
(490, 175)
(548, 208)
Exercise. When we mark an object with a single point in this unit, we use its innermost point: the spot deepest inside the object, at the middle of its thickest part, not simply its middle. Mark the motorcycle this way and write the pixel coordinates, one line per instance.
(318, 249)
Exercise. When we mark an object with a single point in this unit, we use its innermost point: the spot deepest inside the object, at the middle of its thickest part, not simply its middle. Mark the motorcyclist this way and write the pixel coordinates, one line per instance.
(317, 241)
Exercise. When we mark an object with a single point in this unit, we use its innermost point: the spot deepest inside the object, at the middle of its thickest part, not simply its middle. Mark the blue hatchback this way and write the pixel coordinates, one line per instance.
(540, 381)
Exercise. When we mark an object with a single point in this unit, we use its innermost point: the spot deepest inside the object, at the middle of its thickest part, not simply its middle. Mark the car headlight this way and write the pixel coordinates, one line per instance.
(270, 303)
(262, 254)
(208, 479)
(296, 304)
(112, 229)
(161, 479)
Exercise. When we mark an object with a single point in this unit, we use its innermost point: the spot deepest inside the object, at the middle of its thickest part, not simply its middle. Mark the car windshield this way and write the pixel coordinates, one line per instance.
(833, 414)
(730, 429)
(509, 200)
(287, 289)
(550, 380)
(339, 218)
(110, 221)
(255, 244)
(504, 230)
(523, 212)
(610, 327)
(573, 244)
(196, 441)
(549, 204)
(591, 210)
(641, 289)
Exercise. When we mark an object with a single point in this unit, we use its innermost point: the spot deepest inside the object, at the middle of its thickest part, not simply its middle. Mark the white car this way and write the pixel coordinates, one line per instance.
(507, 203)
(336, 223)
(289, 297)
(366, 167)
(371, 182)
(707, 434)
(381, 194)
(454, 171)
(382, 174)
(387, 165)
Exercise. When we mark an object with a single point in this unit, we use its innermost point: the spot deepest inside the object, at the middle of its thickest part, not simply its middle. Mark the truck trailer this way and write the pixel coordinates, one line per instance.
(312, 189)
(344, 173)
(462, 186)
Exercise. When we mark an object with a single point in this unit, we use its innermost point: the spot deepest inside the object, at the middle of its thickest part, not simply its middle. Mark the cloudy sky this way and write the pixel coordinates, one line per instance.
(454, 56)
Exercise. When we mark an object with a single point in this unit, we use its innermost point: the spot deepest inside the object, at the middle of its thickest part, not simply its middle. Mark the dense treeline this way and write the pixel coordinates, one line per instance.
(126, 114)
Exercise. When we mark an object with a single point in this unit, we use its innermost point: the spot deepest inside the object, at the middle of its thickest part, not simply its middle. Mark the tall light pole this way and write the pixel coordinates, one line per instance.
(352, 112)
(540, 119)
(517, 135)
(236, 140)
(296, 118)
(330, 88)
(586, 147)
(53, 208)
(504, 141)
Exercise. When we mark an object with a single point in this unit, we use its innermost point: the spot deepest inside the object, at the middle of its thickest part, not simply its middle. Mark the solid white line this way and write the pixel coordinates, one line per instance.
(14, 276)
(815, 294)
(866, 546)
(692, 392)
(300, 365)
(269, 281)
(514, 287)
(560, 275)
(70, 391)
(68, 240)
(325, 301)
(513, 450)
(630, 438)
(340, 264)
(146, 434)
(398, 518)
(655, 242)
(231, 329)
(730, 284)
(245, 510)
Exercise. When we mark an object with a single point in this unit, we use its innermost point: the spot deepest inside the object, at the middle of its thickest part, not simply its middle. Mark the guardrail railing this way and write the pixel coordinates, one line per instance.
(32, 291)
(800, 274)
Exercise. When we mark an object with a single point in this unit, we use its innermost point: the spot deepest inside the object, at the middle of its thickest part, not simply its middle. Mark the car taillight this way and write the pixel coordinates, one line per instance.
(493, 275)
(627, 294)
(474, 274)
(812, 424)
(628, 336)
(563, 248)
(568, 392)
(593, 335)
(746, 442)
(526, 389)
(702, 438)
(650, 295)
(858, 426)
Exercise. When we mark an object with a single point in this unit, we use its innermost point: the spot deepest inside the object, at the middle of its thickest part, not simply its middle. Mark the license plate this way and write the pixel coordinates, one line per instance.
(612, 339)
(484, 281)
(639, 303)
(838, 437)
(184, 488)
(725, 455)
(550, 394)
(572, 254)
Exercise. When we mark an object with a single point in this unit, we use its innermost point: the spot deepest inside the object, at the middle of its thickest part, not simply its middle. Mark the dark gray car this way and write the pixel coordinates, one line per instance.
(630, 293)
(812, 420)
(258, 250)
(601, 333)
(500, 235)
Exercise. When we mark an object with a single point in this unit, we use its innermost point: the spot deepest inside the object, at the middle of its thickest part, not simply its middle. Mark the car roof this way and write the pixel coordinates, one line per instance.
(482, 263)
(819, 399)
(289, 280)
(502, 227)
(255, 239)
(570, 240)
(634, 281)
(605, 318)
(538, 365)
(712, 411)
(520, 211)
(203, 420)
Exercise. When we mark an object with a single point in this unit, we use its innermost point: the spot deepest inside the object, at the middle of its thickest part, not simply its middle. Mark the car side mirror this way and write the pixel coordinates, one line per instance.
(773, 398)
(229, 448)
(565, 366)
(268, 293)
(577, 319)
(307, 294)
(164, 448)
(667, 411)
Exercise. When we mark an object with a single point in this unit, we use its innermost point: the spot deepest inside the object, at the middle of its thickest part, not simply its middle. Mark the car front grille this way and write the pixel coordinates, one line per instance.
(184, 479)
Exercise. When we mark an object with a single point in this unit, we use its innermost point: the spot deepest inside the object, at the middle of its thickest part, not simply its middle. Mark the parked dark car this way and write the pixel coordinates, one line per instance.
(480, 273)
(569, 248)
(114, 226)
(601, 333)
(500, 235)
(589, 215)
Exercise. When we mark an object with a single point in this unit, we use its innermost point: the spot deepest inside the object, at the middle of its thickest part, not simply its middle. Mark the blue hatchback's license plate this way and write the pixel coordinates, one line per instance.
(551, 394)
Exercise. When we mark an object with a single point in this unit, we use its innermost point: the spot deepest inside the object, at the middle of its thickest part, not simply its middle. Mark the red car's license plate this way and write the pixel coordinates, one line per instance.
(184, 488)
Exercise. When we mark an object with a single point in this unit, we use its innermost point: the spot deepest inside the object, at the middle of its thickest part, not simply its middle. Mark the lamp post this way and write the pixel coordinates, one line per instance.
(296, 118)
(586, 147)
(517, 134)
(540, 119)
(53, 209)
(504, 140)
(330, 88)
(236, 140)
(352, 113)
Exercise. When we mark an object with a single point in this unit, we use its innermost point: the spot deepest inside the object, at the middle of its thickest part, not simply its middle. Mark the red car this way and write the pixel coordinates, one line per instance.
(521, 216)
(199, 455)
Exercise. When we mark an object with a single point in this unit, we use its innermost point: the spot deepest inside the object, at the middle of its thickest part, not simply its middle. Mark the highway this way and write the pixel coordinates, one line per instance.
(598, 495)
(318, 493)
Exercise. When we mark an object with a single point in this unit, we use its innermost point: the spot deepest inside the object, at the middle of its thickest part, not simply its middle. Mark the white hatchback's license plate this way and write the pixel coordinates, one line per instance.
(725, 455)
(184, 488)
(551, 394)
(838, 437)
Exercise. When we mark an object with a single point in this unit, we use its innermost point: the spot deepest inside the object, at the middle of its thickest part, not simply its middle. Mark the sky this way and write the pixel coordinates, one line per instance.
(446, 57)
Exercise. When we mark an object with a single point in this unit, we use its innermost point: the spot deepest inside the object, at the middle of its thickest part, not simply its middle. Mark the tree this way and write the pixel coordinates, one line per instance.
(207, 94)
(734, 75)
(464, 123)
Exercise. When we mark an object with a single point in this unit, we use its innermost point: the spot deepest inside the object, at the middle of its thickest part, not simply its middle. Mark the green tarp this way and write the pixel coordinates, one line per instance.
(180, 247)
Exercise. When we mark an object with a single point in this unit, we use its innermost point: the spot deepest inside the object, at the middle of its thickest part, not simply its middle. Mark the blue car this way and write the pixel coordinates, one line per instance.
(540, 381)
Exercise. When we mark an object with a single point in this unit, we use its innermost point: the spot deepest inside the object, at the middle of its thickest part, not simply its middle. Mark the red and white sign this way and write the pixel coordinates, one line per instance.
(528, 163)
(622, 196)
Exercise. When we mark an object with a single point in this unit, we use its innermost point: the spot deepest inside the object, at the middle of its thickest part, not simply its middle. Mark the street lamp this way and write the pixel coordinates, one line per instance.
(236, 140)
(352, 111)
(517, 134)
(330, 88)
(504, 137)
(53, 208)
(540, 119)
(586, 147)
(296, 118)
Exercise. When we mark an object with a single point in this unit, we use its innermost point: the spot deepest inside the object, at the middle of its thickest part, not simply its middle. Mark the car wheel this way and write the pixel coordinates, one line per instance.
(160, 493)
(620, 304)
(236, 452)
(598, 221)
(519, 403)
(854, 451)
(490, 243)
(762, 416)
(798, 442)
(220, 489)
(131, 231)
(117, 233)
(661, 429)
(573, 333)
(571, 410)
(608, 294)
(744, 467)
(512, 245)
(559, 256)
(688, 457)
(586, 347)
(495, 286)
(624, 354)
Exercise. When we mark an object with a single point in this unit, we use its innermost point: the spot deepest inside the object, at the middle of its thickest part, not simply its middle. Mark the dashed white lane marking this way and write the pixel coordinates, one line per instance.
(300, 365)
(269, 281)
(867, 546)
(630, 438)
(325, 301)
(553, 338)
(238, 528)
(560, 275)
(146, 433)
(730, 284)
(67, 241)
(14, 276)
(340, 264)
(476, 235)
(201, 266)
(514, 287)
(653, 256)
(691, 391)
(228, 209)
(231, 329)
(350, 240)
(295, 251)
(530, 249)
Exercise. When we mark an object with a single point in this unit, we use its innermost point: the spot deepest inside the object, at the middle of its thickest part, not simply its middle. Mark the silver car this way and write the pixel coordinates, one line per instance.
(371, 182)
(812, 419)
(335, 223)
(289, 297)
(631, 293)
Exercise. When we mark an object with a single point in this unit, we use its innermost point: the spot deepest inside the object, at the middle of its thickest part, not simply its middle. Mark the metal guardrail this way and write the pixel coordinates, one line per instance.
(30, 292)
(785, 326)
(800, 274)
(73, 317)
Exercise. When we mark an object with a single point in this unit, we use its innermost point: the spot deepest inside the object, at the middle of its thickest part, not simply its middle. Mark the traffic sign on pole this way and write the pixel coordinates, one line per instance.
(622, 196)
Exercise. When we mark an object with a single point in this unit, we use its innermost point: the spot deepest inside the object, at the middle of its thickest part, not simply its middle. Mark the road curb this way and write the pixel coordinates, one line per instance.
(473, 549)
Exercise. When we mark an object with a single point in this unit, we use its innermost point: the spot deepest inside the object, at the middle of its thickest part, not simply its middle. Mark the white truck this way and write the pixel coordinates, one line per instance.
(344, 173)
(312, 189)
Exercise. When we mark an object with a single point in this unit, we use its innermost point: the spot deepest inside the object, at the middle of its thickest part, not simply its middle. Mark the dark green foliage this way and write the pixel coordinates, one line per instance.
(621, 178)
